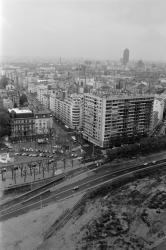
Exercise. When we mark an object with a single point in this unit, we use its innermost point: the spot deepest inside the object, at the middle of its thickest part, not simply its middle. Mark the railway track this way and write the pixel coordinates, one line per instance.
(29, 194)
(46, 197)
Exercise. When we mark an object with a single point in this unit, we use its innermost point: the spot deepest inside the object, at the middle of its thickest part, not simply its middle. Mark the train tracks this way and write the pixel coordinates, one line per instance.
(40, 191)
(46, 196)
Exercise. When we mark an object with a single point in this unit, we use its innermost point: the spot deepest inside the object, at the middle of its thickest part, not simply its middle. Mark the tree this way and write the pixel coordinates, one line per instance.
(4, 123)
(23, 100)
(3, 82)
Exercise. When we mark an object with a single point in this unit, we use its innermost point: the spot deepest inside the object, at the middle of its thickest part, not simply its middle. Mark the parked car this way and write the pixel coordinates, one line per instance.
(2, 170)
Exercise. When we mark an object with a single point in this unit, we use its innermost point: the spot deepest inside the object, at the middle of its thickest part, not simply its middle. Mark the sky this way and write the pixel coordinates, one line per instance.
(97, 29)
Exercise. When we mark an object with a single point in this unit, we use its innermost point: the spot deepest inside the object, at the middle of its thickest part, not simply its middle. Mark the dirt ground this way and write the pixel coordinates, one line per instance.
(26, 231)
(133, 217)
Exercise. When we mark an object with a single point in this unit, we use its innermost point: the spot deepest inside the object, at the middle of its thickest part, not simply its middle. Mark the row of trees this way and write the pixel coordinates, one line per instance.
(3, 82)
(23, 100)
(4, 123)
(5, 128)
(145, 146)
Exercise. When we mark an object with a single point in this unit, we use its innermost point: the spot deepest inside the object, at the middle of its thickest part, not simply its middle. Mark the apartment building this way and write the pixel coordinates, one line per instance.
(32, 87)
(112, 117)
(7, 103)
(69, 110)
(43, 122)
(158, 110)
(22, 123)
(42, 90)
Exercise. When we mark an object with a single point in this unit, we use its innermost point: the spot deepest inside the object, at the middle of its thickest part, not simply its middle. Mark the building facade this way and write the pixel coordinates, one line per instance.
(7, 103)
(22, 123)
(125, 57)
(110, 118)
(43, 122)
(41, 91)
(158, 110)
(68, 110)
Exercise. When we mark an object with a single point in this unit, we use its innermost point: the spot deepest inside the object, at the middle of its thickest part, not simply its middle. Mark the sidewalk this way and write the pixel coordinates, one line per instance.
(48, 172)
(44, 174)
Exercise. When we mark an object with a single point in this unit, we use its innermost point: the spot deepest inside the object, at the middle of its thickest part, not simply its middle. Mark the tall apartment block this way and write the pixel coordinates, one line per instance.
(112, 117)
(68, 110)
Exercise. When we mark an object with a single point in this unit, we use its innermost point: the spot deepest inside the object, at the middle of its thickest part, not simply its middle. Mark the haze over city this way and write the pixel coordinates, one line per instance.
(89, 28)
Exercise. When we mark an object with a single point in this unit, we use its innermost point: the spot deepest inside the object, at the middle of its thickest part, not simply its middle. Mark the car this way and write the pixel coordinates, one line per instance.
(51, 161)
(145, 164)
(76, 188)
(33, 165)
(2, 170)
(59, 171)
(16, 153)
(153, 162)
(23, 154)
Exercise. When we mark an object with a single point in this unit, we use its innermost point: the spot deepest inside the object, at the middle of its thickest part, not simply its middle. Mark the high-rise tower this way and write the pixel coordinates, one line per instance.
(125, 57)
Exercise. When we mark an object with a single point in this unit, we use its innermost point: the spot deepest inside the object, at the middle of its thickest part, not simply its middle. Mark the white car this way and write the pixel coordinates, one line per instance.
(76, 188)
(59, 171)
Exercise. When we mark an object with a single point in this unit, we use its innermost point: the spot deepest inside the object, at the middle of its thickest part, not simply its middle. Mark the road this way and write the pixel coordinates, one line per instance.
(67, 191)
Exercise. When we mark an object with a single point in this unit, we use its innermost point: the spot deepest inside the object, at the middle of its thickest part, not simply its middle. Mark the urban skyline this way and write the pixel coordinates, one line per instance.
(90, 29)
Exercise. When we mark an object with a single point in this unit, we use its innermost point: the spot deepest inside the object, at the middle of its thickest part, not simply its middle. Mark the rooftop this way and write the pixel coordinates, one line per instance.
(20, 111)
(42, 112)
(118, 95)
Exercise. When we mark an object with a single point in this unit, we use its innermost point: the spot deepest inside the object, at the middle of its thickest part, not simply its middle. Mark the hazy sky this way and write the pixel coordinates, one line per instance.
(99, 29)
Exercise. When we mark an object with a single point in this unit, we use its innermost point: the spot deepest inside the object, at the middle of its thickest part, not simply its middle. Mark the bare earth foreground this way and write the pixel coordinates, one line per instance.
(26, 231)
(129, 217)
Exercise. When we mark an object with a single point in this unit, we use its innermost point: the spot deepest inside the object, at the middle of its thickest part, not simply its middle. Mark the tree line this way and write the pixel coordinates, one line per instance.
(145, 146)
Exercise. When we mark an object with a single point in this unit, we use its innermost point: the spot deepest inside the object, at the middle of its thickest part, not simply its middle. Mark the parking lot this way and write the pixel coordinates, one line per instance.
(33, 160)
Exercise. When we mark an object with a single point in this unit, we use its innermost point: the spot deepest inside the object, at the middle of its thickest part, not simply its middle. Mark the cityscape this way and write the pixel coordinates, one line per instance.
(82, 129)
